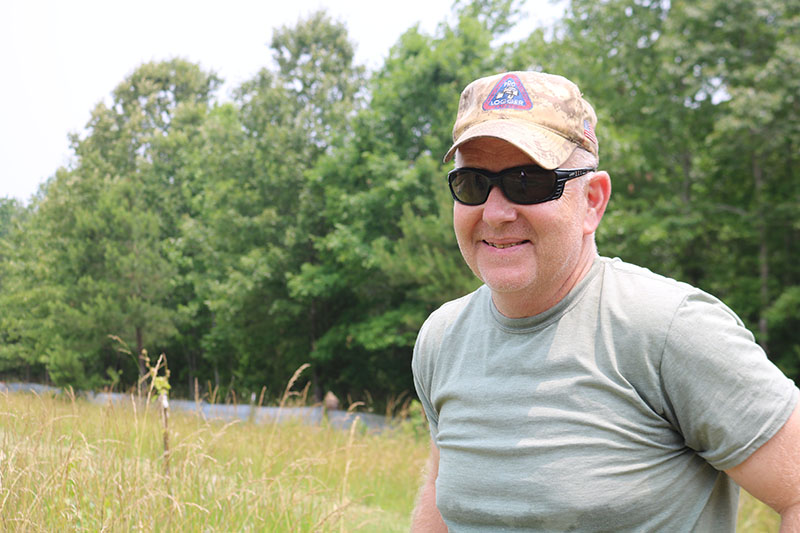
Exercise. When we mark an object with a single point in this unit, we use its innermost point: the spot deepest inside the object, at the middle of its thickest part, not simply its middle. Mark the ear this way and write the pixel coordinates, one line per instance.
(598, 192)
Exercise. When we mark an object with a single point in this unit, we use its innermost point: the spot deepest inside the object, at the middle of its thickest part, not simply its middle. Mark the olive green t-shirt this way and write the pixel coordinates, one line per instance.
(615, 410)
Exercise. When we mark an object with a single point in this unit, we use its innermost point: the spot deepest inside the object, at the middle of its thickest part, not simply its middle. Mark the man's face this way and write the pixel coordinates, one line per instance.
(526, 253)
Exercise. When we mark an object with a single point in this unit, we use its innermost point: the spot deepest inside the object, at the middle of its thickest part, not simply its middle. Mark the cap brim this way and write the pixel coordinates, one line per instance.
(547, 148)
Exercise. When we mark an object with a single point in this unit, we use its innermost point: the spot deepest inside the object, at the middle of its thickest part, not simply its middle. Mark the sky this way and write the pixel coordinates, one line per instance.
(60, 58)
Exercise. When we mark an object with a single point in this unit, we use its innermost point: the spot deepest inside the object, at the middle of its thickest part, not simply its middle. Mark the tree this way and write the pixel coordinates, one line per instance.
(16, 295)
(753, 61)
(105, 224)
(308, 221)
(390, 257)
(259, 212)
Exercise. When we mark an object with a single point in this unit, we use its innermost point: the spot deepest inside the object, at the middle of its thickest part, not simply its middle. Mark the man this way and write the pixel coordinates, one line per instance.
(573, 392)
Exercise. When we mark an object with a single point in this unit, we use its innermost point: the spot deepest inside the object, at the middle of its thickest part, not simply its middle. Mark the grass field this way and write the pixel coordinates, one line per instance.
(68, 465)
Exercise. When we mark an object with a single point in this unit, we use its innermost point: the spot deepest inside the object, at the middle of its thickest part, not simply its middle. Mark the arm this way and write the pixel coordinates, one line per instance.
(426, 517)
(772, 473)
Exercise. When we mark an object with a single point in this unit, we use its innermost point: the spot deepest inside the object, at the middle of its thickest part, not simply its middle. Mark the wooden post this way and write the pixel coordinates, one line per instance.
(164, 402)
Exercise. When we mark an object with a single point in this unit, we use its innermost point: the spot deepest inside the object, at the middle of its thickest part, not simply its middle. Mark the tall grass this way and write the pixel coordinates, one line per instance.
(755, 517)
(69, 465)
(66, 464)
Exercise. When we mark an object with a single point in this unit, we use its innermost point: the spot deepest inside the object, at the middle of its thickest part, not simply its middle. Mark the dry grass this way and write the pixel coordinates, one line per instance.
(70, 465)
(756, 517)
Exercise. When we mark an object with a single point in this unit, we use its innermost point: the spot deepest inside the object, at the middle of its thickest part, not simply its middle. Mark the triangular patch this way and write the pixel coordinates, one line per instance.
(509, 93)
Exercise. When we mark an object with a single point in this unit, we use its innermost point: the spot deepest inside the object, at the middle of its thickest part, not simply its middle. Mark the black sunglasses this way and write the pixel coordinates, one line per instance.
(525, 185)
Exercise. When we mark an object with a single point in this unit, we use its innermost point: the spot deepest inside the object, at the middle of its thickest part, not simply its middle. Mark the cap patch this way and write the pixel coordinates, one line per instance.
(509, 93)
(588, 131)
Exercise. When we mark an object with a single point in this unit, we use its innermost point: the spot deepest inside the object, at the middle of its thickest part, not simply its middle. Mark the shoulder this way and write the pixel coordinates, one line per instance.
(646, 298)
(442, 318)
(630, 278)
(663, 297)
(429, 339)
(652, 317)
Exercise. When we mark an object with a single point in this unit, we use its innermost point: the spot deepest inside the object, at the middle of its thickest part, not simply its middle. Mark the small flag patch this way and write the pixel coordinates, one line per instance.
(588, 131)
(509, 93)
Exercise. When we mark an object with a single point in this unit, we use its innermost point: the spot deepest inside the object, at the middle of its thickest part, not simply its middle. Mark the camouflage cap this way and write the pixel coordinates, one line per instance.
(542, 114)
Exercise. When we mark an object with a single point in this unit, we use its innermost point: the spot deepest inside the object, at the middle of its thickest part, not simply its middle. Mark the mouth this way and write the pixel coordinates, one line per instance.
(504, 245)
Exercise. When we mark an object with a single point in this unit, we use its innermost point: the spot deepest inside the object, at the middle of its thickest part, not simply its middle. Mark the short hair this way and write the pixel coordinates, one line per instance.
(581, 158)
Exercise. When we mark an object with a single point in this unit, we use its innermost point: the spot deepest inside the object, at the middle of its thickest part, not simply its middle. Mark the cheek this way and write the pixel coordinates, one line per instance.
(570, 214)
(464, 219)
(557, 227)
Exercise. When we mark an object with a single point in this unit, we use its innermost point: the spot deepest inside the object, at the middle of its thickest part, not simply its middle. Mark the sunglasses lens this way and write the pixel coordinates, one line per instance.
(469, 187)
(521, 185)
(529, 186)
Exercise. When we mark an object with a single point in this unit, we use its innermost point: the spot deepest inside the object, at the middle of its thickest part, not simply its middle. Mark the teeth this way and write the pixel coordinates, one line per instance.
(501, 246)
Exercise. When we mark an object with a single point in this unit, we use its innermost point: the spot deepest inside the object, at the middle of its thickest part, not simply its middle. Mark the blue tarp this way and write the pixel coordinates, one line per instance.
(261, 415)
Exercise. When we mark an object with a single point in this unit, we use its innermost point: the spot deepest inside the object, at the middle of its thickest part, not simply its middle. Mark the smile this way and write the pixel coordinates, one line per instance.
(502, 246)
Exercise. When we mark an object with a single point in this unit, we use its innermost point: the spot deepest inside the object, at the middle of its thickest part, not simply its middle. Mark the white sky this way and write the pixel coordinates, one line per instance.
(59, 58)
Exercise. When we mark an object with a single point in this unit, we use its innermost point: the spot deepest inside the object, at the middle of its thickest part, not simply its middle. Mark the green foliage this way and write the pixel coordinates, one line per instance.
(10, 213)
(308, 220)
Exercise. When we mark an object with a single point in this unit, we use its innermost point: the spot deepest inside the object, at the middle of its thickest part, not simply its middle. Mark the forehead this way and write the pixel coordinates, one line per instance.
(491, 154)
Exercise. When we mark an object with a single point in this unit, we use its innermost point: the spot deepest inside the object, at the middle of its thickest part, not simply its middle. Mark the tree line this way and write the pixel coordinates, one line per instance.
(307, 219)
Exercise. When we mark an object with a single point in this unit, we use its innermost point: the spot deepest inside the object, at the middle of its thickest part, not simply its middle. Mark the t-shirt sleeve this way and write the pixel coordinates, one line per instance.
(427, 352)
(425, 348)
(721, 391)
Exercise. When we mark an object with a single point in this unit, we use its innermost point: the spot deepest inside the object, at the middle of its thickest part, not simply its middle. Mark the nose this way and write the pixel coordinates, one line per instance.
(498, 209)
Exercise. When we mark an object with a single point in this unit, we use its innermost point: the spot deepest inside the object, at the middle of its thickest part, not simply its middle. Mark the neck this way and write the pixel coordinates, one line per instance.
(536, 301)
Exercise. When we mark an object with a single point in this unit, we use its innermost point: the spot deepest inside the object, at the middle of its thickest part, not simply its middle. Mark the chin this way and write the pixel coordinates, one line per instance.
(506, 284)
